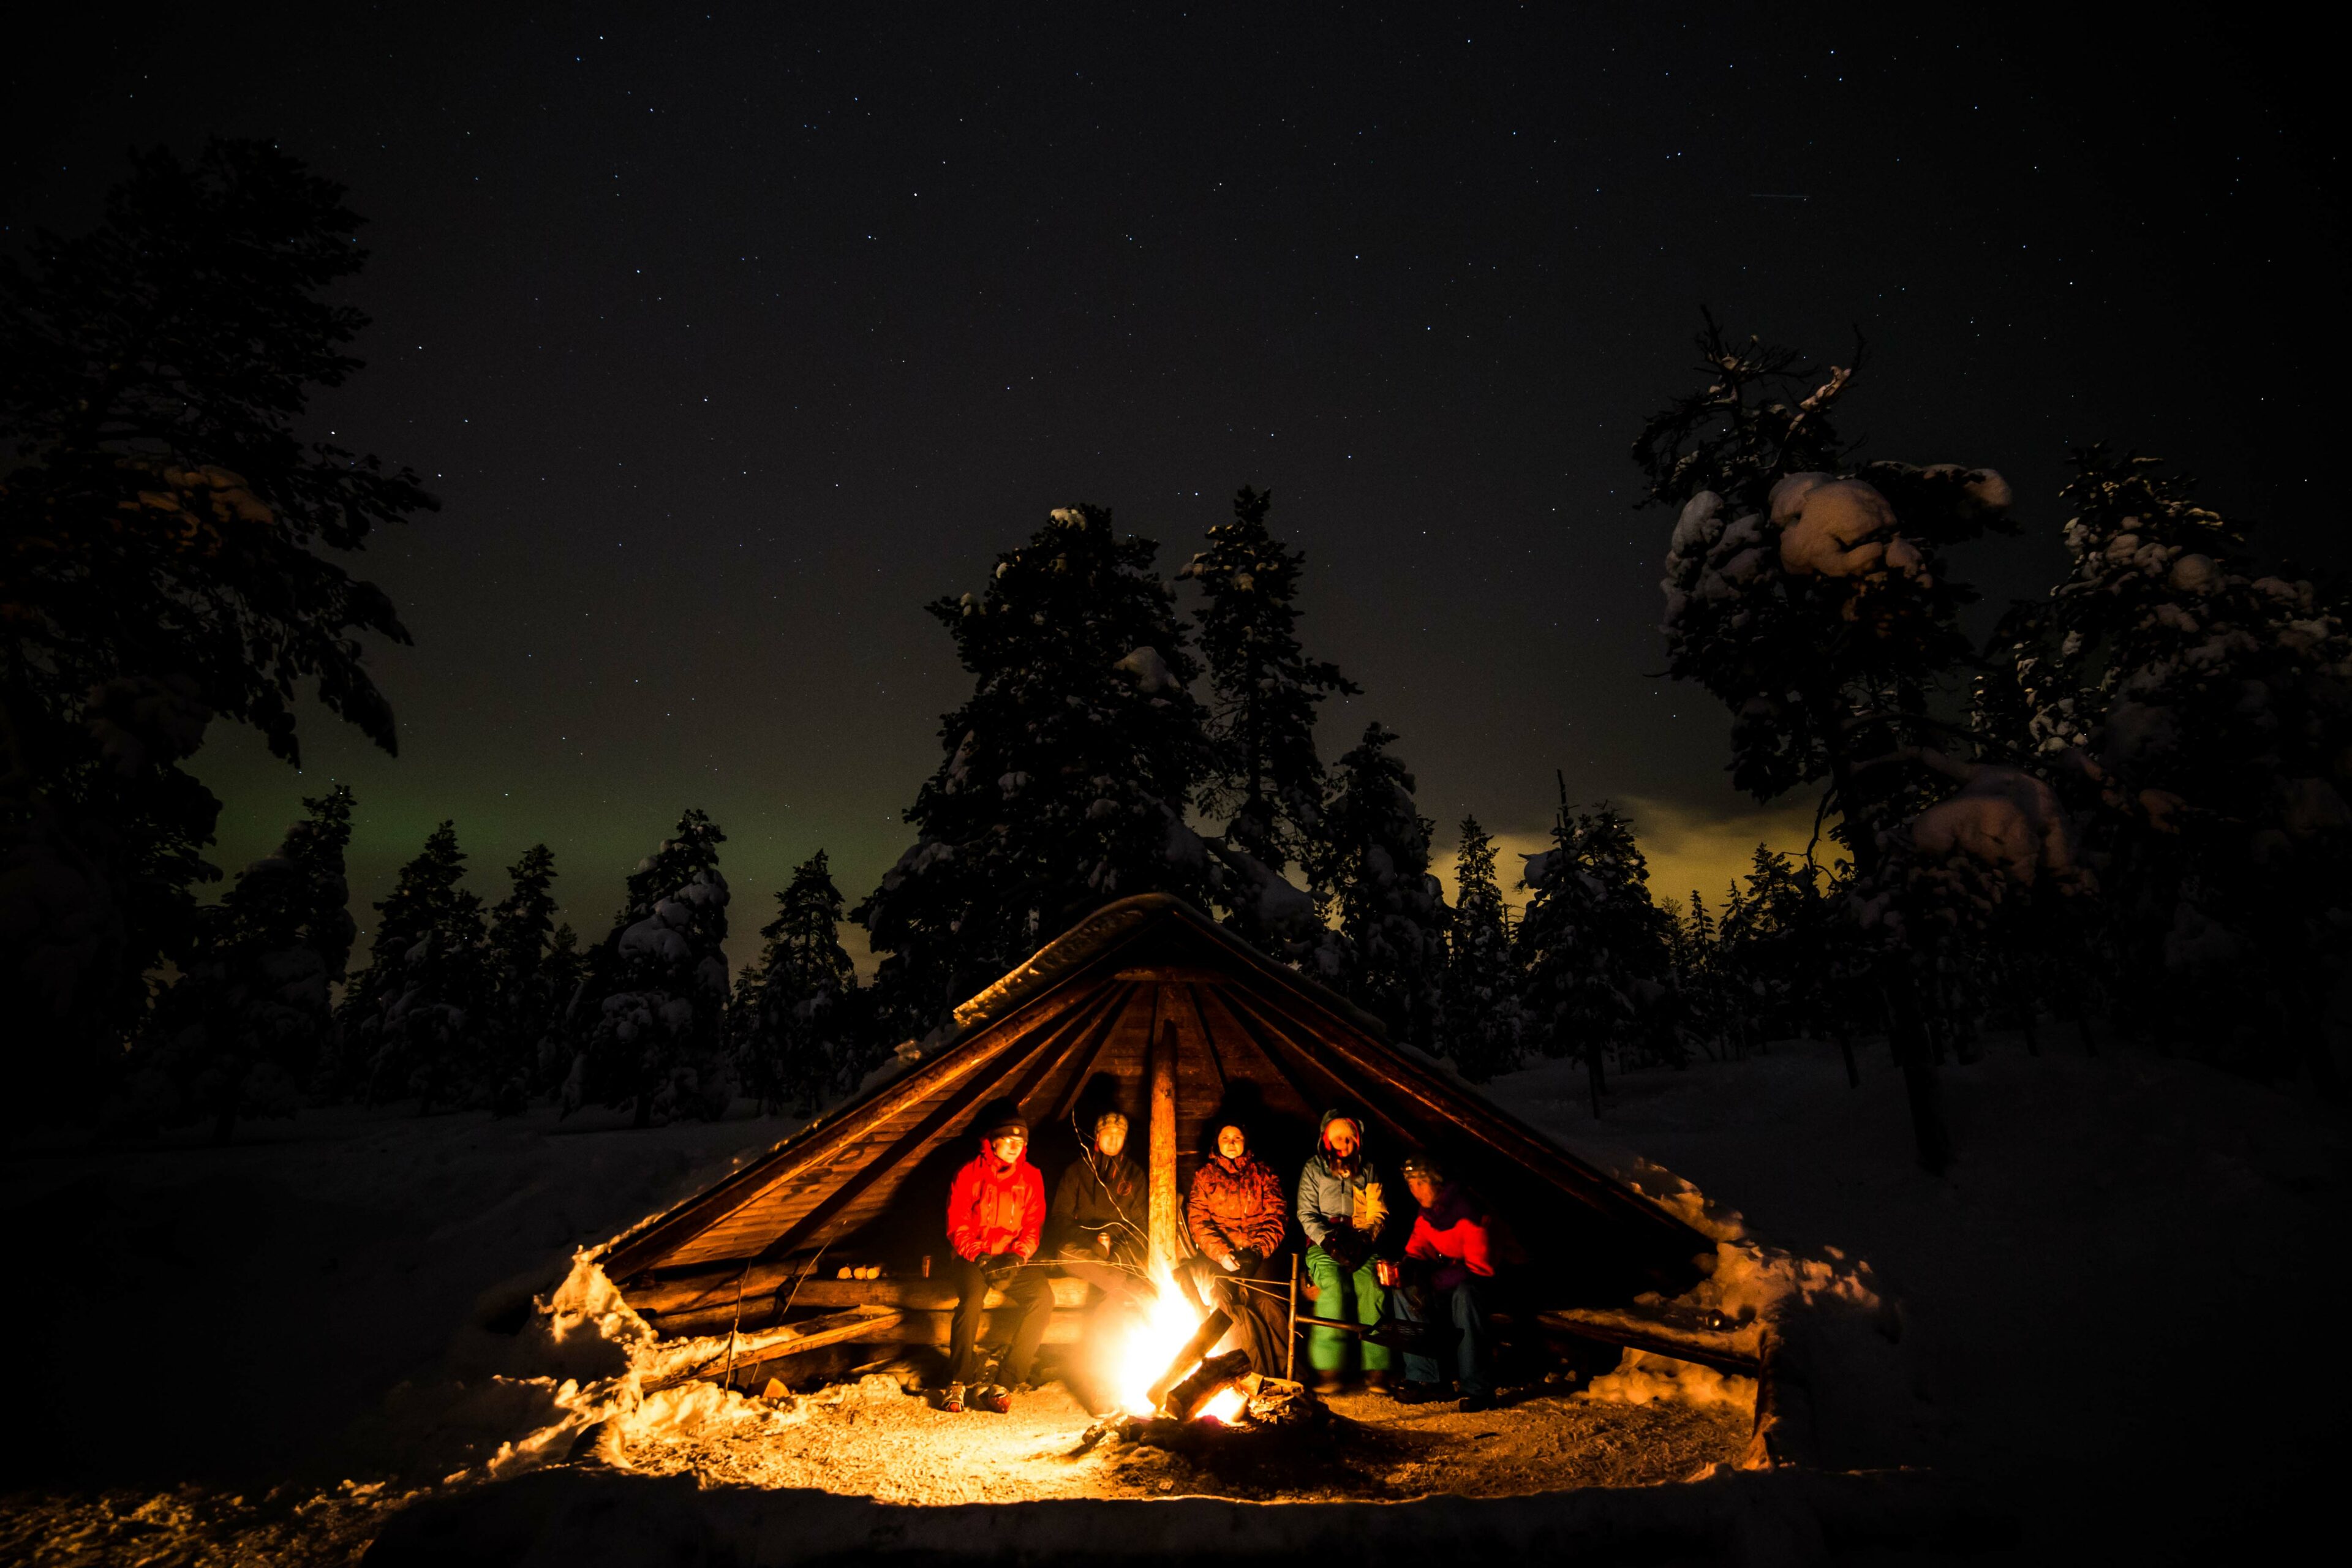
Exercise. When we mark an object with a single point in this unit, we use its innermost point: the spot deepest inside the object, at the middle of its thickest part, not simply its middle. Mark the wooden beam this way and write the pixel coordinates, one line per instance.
(1473, 1114)
(811, 1146)
(1086, 1070)
(911, 1143)
(1613, 1329)
(1191, 994)
(1264, 1031)
(1215, 996)
(857, 1323)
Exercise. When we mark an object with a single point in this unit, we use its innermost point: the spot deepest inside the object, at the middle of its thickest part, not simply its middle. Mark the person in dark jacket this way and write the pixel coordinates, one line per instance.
(997, 1216)
(1452, 1255)
(1098, 1215)
(1233, 1214)
(1342, 1210)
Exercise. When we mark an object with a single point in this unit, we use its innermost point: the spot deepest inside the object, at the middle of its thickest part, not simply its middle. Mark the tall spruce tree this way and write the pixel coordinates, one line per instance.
(1775, 948)
(795, 1014)
(1370, 865)
(1592, 944)
(566, 980)
(656, 1036)
(1067, 772)
(524, 985)
(1703, 1009)
(1810, 594)
(1264, 777)
(164, 516)
(417, 1021)
(1484, 1026)
(2201, 707)
(240, 1031)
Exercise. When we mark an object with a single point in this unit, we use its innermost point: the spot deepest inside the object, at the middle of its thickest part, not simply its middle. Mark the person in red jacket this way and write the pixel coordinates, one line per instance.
(996, 1215)
(1236, 1215)
(1452, 1252)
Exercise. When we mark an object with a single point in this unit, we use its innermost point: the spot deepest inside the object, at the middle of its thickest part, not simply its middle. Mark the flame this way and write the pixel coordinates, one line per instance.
(1152, 1341)
(1228, 1404)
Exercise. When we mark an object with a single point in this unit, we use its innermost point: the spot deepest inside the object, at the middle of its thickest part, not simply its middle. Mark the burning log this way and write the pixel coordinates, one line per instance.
(1264, 1410)
(1212, 1329)
(1210, 1378)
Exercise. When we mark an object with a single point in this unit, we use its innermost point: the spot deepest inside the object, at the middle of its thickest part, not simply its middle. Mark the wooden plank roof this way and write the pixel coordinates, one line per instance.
(1080, 1013)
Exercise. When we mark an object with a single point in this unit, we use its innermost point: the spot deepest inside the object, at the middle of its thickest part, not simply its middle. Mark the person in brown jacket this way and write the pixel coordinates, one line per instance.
(1237, 1218)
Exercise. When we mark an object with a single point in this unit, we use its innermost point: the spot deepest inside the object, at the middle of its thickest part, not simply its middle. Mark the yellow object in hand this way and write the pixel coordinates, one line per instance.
(1370, 1208)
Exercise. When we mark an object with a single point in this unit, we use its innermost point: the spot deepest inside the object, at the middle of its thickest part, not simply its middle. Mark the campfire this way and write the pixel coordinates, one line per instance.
(1161, 1346)
(1171, 1392)
(1220, 1396)
(1154, 1340)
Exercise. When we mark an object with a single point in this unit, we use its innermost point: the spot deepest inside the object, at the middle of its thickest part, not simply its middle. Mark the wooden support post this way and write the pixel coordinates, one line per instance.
(1290, 1340)
(1165, 1249)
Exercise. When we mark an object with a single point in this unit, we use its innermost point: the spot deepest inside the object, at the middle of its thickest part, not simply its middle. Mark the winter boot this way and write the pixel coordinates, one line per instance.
(1416, 1394)
(1378, 1380)
(1328, 1383)
(996, 1398)
(951, 1399)
(1473, 1403)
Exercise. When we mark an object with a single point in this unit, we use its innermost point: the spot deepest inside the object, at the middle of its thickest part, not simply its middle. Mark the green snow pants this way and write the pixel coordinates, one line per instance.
(1335, 1294)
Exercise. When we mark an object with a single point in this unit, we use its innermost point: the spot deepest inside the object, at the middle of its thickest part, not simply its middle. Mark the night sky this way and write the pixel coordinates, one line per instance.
(727, 341)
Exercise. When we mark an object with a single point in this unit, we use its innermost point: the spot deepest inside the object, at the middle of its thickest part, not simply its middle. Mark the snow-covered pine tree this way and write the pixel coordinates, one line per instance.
(1371, 866)
(1264, 777)
(656, 1036)
(1067, 772)
(1592, 944)
(164, 510)
(242, 1029)
(1773, 947)
(415, 1022)
(1701, 1009)
(1485, 1031)
(565, 972)
(1809, 594)
(2207, 708)
(795, 1016)
(525, 1002)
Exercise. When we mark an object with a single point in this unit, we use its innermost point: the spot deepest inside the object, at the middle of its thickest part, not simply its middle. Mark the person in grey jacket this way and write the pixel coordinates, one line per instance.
(1342, 1210)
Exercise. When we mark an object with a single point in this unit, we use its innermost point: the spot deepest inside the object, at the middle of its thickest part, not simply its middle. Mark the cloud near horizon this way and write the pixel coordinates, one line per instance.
(1686, 849)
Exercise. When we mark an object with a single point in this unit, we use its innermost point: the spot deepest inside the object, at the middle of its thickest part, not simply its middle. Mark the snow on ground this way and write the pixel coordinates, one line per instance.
(2110, 1314)
(239, 1315)
(2115, 1304)
(873, 1439)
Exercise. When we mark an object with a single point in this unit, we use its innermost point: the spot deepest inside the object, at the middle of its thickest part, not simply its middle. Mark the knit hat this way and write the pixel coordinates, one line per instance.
(1425, 1166)
(1107, 1117)
(1003, 1120)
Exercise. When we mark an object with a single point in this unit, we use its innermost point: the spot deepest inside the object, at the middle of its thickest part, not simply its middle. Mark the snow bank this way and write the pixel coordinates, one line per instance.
(1828, 1304)
(581, 1376)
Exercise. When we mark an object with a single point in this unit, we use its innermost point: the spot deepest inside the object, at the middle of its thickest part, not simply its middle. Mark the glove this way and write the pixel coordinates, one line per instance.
(1244, 1259)
(998, 1267)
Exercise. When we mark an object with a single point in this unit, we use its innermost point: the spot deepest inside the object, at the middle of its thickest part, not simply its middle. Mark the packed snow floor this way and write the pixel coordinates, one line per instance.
(2114, 1314)
(871, 1440)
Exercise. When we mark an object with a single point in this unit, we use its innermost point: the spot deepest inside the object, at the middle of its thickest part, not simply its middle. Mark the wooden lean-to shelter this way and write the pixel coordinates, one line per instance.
(1149, 1007)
